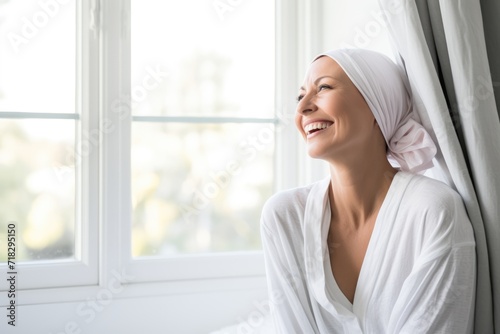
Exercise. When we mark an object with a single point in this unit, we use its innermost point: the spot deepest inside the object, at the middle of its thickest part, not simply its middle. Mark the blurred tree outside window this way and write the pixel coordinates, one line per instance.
(38, 128)
(202, 96)
(203, 126)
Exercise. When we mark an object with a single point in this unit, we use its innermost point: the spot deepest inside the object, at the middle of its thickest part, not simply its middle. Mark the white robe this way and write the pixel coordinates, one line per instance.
(418, 274)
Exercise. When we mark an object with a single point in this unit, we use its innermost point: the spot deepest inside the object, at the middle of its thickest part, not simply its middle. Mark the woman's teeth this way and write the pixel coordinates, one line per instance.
(313, 127)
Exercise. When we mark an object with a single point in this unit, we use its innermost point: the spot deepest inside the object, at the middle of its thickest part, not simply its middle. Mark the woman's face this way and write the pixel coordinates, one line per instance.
(332, 115)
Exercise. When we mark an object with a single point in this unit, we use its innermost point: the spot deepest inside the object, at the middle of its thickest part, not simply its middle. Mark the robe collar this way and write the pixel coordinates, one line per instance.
(317, 218)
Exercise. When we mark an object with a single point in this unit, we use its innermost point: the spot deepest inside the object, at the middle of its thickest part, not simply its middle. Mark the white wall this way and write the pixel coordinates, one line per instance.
(208, 307)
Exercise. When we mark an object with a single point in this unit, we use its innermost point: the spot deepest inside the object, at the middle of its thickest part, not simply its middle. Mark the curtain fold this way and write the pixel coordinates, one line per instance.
(442, 57)
(490, 10)
(442, 46)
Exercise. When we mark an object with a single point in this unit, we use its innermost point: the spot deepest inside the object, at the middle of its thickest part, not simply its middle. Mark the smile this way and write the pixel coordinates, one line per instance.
(316, 127)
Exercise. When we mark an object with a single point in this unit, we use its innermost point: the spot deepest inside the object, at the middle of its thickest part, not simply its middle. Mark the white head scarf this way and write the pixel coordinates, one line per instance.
(386, 90)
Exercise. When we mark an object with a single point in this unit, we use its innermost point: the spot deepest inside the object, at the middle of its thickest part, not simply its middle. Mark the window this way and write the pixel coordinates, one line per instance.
(141, 149)
(202, 125)
(38, 130)
(202, 135)
(44, 142)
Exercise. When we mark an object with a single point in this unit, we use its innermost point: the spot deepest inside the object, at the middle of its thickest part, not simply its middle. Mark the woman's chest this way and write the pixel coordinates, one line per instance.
(347, 251)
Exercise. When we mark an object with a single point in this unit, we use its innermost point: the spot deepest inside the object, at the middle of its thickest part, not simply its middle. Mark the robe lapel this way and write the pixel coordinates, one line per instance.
(316, 226)
(368, 280)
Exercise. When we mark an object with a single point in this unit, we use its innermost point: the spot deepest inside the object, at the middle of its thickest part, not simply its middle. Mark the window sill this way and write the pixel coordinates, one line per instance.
(113, 289)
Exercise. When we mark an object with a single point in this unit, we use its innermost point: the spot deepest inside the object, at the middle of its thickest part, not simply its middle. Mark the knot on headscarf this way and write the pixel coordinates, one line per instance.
(387, 92)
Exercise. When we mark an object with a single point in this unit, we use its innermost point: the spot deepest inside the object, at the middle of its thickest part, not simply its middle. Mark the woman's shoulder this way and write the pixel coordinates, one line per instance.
(440, 209)
(427, 193)
(286, 207)
(286, 201)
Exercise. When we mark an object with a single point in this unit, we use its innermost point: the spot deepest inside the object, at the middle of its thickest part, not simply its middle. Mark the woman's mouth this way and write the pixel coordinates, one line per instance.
(313, 129)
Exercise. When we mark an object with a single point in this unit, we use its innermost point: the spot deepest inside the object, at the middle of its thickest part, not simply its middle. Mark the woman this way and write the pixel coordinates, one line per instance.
(372, 248)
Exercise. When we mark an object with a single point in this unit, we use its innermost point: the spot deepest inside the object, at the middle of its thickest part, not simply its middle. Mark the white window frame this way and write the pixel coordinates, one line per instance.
(230, 264)
(107, 212)
(83, 270)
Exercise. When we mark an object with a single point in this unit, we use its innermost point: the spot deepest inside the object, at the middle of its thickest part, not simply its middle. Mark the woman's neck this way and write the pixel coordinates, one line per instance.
(358, 190)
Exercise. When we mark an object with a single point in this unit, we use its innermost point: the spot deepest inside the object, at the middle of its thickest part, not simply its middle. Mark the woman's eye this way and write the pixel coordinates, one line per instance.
(320, 88)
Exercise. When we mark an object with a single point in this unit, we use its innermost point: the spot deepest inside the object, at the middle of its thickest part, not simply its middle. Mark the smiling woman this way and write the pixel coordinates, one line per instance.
(373, 248)
(331, 110)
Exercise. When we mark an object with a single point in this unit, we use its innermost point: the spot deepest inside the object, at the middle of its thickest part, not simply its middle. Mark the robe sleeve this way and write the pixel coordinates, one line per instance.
(287, 291)
(438, 296)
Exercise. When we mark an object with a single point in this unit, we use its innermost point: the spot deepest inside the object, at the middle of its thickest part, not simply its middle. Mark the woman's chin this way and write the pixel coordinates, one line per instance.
(316, 152)
(320, 148)
(325, 152)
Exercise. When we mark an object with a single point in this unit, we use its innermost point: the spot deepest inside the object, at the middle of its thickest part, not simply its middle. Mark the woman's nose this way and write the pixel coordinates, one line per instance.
(306, 106)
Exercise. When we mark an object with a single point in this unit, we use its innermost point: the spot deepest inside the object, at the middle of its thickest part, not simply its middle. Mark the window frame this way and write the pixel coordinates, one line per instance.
(231, 264)
(184, 266)
(106, 207)
(83, 269)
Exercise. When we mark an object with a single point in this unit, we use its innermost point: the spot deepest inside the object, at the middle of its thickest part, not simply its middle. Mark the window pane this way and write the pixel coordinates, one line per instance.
(37, 56)
(199, 188)
(37, 187)
(198, 58)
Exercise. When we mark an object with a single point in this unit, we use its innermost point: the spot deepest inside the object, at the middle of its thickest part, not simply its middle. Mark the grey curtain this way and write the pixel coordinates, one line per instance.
(458, 43)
